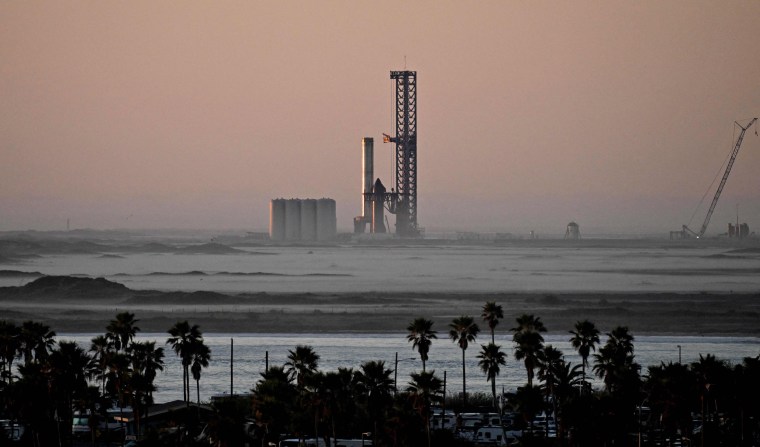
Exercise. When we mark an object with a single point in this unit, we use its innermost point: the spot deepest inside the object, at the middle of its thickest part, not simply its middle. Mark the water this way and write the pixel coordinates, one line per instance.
(351, 350)
(651, 267)
(655, 266)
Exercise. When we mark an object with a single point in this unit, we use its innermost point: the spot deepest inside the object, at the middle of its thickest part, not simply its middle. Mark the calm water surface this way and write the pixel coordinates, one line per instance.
(351, 350)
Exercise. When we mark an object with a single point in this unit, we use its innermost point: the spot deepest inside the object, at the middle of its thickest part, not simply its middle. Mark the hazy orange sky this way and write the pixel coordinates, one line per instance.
(144, 114)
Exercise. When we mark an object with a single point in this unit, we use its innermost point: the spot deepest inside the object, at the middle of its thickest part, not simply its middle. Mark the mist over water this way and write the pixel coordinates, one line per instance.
(549, 267)
(445, 268)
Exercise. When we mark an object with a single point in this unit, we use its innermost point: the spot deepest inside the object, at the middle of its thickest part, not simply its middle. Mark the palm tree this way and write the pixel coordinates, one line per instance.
(200, 358)
(147, 360)
(183, 339)
(302, 362)
(528, 402)
(421, 334)
(302, 369)
(712, 378)
(376, 385)
(565, 379)
(670, 391)
(100, 350)
(492, 313)
(340, 387)
(584, 340)
(67, 368)
(122, 330)
(424, 389)
(463, 331)
(274, 401)
(491, 359)
(614, 362)
(35, 341)
(528, 342)
(550, 362)
(118, 375)
(9, 348)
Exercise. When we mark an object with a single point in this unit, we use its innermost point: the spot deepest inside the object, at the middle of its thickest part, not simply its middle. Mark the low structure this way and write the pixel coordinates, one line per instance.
(302, 219)
(164, 417)
(573, 231)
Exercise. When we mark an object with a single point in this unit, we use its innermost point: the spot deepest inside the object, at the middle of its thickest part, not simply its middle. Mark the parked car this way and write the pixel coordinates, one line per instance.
(13, 431)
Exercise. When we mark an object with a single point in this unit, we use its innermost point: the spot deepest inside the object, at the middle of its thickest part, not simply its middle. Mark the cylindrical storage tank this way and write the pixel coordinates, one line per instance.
(308, 220)
(277, 219)
(743, 230)
(368, 173)
(292, 220)
(326, 220)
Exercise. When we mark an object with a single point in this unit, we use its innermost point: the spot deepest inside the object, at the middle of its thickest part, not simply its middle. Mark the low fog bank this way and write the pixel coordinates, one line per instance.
(74, 304)
(85, 241)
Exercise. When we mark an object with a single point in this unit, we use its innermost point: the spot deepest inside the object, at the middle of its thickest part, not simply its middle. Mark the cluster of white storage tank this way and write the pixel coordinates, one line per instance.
(302, 220)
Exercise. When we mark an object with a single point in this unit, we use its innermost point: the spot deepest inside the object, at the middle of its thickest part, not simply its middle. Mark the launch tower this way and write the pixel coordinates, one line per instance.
(406, 153)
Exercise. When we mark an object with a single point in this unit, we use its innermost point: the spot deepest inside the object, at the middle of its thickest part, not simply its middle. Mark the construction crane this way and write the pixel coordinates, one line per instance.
(701, 232)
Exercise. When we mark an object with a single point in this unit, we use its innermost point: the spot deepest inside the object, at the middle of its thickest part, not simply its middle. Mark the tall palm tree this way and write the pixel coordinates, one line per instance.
(302, 362)
(584, 340)
(614, 362)
(670, 391)
(565, 379)
(302, 369)
(491, 359)
(9, 348)
(425, 388)
(528, 342)
(550, 359)
(274, 401)
(36, 340)
(183, 338)
(529, 402)
(376, 385)
(492, 313)
(550, 362)
(122, 330)
(200, 358)
(463, 330)
(340, 400)
(100, 350)
(712, 377)
(147, 360)
(118, 375)
(421, 335)
(67, 368)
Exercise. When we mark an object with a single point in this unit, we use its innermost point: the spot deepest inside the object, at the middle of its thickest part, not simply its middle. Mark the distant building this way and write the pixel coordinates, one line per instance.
(302, 220)
(573, 231)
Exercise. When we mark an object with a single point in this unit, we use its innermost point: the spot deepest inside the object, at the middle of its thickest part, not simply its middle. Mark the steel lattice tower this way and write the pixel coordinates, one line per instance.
(406, 152)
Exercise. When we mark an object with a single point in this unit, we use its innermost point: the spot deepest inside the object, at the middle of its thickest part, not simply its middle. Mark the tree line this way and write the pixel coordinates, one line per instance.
(709, 402)
(706, 402)
(52, 380)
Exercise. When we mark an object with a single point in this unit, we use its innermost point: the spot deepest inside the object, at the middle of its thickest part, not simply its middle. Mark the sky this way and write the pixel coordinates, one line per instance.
(615, 114)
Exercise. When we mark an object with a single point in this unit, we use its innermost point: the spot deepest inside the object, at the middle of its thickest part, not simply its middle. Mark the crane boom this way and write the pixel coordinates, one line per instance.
(722, 181)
